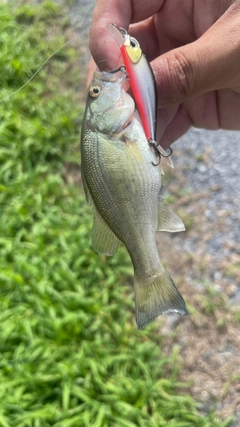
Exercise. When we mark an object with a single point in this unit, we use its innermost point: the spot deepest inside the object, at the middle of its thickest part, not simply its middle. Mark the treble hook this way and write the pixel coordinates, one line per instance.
(153, 144)
(157, 152)
(169, 154)
(121, 68)
(100, 63)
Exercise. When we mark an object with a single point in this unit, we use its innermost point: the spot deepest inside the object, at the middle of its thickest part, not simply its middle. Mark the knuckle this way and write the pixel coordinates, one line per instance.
(181, 75)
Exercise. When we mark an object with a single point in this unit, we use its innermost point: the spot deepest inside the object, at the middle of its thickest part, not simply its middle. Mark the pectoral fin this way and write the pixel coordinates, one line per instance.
(134, 151)
(104, 240)
(168, 220)
(132, 148)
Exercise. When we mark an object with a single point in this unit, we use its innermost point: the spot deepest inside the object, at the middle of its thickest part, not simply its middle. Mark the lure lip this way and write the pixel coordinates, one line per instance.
(121, 30)
(119, 34)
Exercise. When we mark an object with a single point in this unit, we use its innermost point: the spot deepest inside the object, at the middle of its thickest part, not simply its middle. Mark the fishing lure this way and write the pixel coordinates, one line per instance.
(143, 85)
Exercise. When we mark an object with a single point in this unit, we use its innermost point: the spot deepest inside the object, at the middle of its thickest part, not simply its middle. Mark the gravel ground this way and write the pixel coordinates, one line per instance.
(208, 163)
(205, 261)
(220, 171)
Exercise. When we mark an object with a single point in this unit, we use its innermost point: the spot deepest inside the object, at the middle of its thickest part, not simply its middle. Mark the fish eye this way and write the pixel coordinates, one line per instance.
(94, 91)
(133, 42)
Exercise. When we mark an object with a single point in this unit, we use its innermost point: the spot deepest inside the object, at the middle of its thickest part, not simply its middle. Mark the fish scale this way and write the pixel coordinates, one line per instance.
(124, 186)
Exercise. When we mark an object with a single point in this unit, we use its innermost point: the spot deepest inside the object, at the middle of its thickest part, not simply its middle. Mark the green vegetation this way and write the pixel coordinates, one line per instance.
(70, 353)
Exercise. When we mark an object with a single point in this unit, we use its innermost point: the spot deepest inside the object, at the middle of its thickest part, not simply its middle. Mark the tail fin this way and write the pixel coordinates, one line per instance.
(157, 297)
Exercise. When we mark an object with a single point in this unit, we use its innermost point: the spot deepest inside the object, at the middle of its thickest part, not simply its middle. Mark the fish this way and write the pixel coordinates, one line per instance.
(123, 186)
(142, 82)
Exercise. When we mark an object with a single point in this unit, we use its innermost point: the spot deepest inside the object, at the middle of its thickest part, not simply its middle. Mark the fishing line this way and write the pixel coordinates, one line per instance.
(48, 59)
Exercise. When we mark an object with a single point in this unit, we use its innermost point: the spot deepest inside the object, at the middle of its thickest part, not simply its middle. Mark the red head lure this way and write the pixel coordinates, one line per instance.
(142, 82)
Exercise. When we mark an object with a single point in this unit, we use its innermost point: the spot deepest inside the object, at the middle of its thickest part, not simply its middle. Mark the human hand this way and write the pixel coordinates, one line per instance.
(194, 49)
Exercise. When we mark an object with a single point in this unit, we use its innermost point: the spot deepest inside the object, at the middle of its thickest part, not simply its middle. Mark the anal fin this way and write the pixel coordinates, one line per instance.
(168, 220)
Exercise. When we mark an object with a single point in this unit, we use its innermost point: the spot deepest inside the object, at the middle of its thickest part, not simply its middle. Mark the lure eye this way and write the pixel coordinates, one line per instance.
(134, 43)
(133, 49)
(94, 91)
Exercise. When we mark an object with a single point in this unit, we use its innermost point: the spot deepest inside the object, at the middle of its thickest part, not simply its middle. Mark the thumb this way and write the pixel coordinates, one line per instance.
(209, 63)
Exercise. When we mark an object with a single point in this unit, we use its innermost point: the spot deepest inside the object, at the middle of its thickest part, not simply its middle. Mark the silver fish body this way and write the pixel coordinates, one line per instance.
(120, 180)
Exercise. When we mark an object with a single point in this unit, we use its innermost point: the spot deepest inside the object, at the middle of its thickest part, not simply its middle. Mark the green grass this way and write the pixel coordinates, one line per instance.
(70, 352)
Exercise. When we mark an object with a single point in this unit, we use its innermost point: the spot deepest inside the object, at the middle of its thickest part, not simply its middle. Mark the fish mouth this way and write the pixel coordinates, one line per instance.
(108, 76)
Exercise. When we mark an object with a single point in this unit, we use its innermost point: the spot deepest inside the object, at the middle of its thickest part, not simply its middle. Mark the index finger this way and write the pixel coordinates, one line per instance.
(102, 45)
(121, 13)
